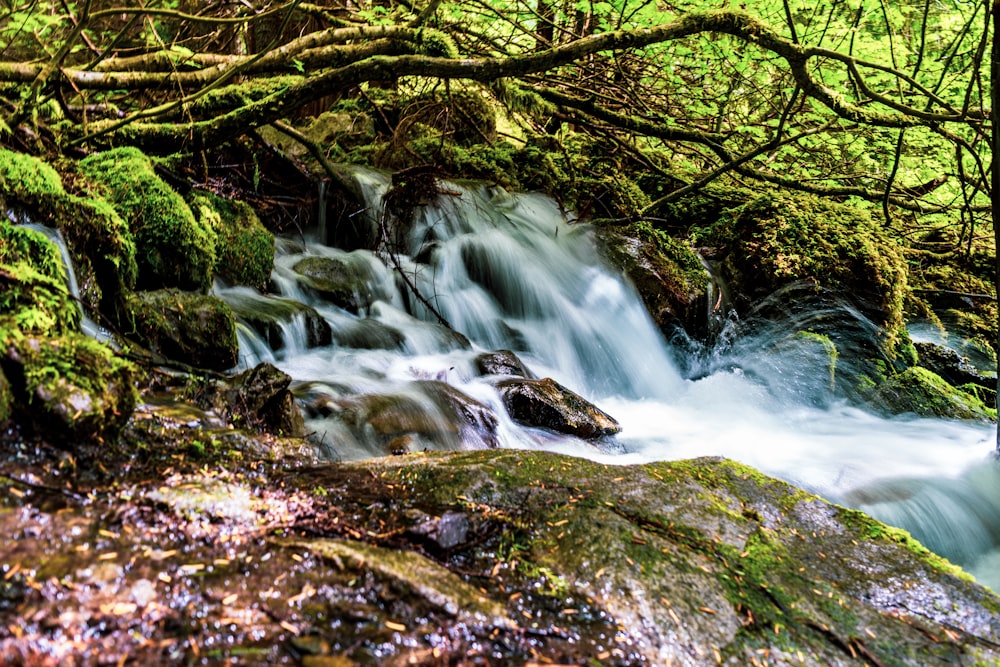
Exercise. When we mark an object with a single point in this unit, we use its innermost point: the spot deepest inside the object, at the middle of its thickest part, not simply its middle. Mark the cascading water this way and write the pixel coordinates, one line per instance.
(512, 272)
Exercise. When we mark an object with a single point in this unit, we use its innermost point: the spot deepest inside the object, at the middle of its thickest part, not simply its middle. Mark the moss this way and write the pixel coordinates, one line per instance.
(103, 251)
(173, 248)
(27, 180)
(788, 238)
(874, 529)
(195, 329)
(920, 391)
(245, 254)
(6, 399)
(33, 292)
(74, 387)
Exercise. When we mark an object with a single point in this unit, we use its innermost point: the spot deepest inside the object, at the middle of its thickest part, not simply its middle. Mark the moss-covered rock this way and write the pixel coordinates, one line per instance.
(667, 273)
(6, 400)
(348, 281)
(103, 252)
(273, 318)
(33, 293)
(173, 248)
(71, 387)
(923, 392)
(244, 249)
(195, 329)
(782, 239)
(27, 181)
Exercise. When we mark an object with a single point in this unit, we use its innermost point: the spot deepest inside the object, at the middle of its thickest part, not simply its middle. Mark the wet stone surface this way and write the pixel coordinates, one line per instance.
(242, 550)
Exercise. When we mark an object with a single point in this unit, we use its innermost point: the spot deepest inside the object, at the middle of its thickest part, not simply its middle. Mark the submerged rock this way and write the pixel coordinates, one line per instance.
(195, 329)
(273, 317)
(547, 404)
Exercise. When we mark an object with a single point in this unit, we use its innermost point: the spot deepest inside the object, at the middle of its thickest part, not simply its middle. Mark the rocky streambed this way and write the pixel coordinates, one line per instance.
(193, 543)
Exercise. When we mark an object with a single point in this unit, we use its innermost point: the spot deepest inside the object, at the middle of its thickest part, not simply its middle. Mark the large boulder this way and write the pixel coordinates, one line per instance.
(174, 249)
(194, 329)
(547, 404)
(784, 239)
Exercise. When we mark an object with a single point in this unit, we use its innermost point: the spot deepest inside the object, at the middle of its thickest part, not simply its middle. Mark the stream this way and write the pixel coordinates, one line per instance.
(512, 272)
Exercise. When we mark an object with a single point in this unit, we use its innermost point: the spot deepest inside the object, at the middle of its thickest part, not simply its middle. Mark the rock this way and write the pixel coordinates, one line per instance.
(245, 249)
(547, 404)
(920, 391)
(430, 414)
(349, 281)
(444, 532)
(423, 577)
(72, 388)
(668, 275)
(260, 398)
(273, 318)
(703, 562)
(368, 334)
(781, 240)
(173, 249)
(501, 362)
(195, 329)
(955, 369)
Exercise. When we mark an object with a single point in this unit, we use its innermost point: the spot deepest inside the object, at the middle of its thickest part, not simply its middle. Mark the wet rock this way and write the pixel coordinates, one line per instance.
(260, 397)
(348, 282)
(72, 388)
(273, 317)
(955, 369)
(194, 329)
(668, 275)
(431, 414)
(547, 404)
(368, 334)
(920, 391)
(501, 362)
(420, 575)
(444, 532)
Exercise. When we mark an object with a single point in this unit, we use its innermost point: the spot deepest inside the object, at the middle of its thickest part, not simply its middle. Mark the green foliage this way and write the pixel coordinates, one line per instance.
(173, 248)
(245, 253)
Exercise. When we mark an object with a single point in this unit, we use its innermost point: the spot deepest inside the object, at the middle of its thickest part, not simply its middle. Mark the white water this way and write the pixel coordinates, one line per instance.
(511, 272)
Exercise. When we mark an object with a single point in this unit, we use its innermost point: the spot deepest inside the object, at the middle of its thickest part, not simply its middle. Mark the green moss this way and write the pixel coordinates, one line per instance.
(173, 248)
(195, 329)
(787, 239)
(874, 529)
(33, 292)
(74, 386)
(245, 254)
(923, 392)
(27, 180)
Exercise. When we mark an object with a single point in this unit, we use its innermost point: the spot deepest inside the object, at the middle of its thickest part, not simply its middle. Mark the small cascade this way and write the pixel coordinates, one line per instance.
(376, 371)
(87, 325)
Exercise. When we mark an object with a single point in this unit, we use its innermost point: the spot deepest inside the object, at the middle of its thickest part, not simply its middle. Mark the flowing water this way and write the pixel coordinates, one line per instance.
(514, 272)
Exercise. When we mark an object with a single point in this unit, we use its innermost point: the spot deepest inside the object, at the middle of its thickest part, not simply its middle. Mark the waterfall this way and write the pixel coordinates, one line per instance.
(514, 272)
